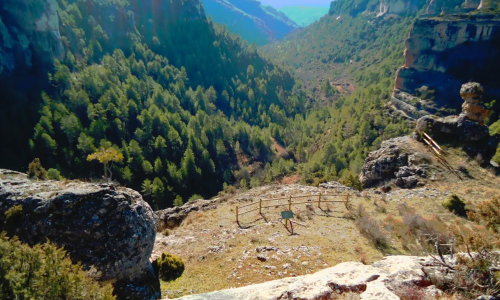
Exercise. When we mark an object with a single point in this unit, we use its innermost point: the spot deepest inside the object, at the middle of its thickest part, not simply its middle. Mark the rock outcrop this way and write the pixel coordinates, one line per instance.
(468, 127)
(377, 281)
(29, 34)
(394, 160)
(172, 217)
(444, 52)
(100, 225)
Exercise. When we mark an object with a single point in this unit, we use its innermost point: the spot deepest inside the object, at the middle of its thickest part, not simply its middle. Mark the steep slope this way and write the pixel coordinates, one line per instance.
(357, 50)
(262, 249)
(444, 52)
(179, 97)
(248, 18)
(304, 15)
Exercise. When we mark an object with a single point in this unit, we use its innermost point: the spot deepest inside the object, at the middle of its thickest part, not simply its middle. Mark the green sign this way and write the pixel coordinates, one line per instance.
(287, 214)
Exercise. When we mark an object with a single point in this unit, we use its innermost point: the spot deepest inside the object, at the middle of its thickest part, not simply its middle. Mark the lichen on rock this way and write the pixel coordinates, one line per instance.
(100, 225)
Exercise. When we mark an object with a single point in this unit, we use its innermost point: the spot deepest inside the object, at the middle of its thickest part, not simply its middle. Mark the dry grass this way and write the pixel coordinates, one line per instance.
(329, 236)
(325, 241)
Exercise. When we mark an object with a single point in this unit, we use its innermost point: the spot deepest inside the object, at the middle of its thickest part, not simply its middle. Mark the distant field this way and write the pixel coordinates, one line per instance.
(304, 15)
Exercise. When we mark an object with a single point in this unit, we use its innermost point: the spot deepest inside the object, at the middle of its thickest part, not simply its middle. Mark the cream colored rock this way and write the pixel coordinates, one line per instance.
(476, 112)
(471, 92)
(371, 282)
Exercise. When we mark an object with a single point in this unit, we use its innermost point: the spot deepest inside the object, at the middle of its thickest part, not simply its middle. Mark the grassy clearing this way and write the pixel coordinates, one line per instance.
(219, 254)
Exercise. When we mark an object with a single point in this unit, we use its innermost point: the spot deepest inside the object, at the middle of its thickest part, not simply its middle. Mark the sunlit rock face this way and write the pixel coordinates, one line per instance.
(443, 53)
(29, 34)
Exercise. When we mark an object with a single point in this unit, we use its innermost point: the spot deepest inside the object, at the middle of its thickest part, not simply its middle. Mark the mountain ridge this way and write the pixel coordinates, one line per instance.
(248, 18)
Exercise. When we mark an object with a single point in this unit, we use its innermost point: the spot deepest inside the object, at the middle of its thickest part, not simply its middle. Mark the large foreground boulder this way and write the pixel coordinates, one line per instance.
(104, 227)
(377, 281)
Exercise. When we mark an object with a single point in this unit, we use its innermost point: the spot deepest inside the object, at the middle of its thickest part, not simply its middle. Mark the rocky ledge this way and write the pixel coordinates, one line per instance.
(100, 225)
(172, 217)
(396, 159)
(381, 280)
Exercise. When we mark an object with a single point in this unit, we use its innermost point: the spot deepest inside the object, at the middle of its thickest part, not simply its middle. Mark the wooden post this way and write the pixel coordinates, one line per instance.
(290, 203)
(260, 207)
(347, 201)
(319, 201)
(237, 221)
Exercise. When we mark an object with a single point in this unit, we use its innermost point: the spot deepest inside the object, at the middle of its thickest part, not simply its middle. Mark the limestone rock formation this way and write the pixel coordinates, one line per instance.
(472, 108)
(30, 36)
(444, 52)
(469, 125)
(372, 282)
(393, 161)
(459, 127)
(172, 217)
(99, 225)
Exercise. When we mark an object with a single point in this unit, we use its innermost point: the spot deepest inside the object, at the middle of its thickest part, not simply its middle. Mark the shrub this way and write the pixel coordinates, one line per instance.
(352, 181)
(44, 272)
(195, 197)
(455, 205)
(243, 183)
(168, 267)
(488, 214)
(35, 170)
(54, 174)
(178, 201)
(371, 229)
(254, 182)
(230, 189)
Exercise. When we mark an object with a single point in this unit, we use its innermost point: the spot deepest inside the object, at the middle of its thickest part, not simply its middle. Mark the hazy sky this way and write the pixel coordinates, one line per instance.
(281, 3)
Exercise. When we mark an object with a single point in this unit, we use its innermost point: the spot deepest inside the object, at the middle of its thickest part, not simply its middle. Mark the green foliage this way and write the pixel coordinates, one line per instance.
(168, 266)
(254, 182)
(54, 174)
(496, 157)
(12, 216)
(35, 170)
(352, 181)
(455, 205)
(146, 95)
(106, 156)
(243, 183)
(178, 201)
(44, 272)
(195, 197)
(336, 139)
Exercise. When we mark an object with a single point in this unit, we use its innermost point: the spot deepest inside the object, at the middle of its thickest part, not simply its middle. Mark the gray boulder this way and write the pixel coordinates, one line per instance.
(100, 225)
(457, 126)
(172, 217)
(385, 162)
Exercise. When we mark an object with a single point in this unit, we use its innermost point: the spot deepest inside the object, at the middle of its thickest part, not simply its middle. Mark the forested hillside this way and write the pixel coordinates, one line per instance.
(364, 50)
(178, 96)
(250, 19)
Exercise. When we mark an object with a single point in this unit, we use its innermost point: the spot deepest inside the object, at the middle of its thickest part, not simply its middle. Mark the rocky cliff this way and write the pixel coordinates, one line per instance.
(398, 7)
(29, 34)
(441, 54)
(251, 20)
(111, 229)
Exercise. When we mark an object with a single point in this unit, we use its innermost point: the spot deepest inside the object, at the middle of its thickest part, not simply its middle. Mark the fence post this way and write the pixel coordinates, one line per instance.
(260, 206)
(290, 203)
(319, 201)
(237, 221)
(347, 201)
